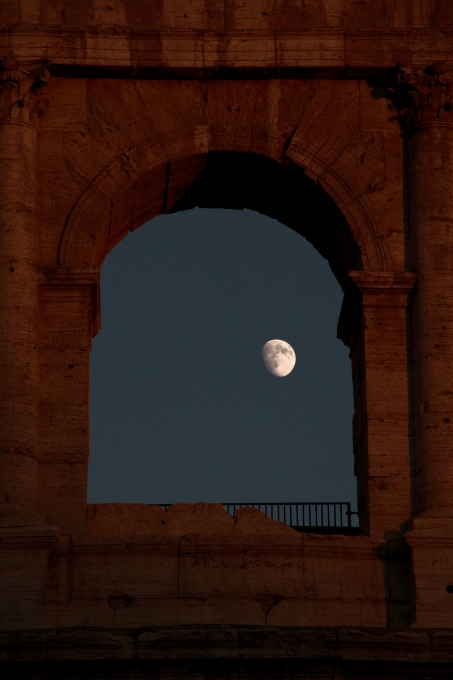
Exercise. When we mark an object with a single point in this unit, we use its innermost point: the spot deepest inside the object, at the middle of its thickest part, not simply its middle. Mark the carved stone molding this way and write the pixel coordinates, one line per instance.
(22, 91)
(61, 280)
(371, 289)
(421, 98)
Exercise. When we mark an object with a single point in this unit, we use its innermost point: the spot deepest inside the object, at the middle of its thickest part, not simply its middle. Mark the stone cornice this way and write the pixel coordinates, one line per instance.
(124, 52)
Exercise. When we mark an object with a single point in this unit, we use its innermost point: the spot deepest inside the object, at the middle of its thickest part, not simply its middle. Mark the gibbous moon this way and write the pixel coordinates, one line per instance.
(279, 357)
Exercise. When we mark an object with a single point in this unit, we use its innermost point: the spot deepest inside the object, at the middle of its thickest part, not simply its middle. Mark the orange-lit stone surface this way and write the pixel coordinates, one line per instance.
(141, 566)
(332, 116)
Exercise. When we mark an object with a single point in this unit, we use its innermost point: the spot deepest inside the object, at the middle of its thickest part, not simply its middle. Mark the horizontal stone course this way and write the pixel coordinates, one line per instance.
(205, 15)
(140, 53)
(233, 642)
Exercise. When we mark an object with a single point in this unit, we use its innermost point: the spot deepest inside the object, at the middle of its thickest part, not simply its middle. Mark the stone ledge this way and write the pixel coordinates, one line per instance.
(28, 538)
(229, 642)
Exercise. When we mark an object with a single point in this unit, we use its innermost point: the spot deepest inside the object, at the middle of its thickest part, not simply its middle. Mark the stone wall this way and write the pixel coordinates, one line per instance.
(333, 116)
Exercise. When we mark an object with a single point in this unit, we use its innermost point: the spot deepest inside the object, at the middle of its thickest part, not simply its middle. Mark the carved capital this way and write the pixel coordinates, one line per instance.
(22, 91)
(420, 98)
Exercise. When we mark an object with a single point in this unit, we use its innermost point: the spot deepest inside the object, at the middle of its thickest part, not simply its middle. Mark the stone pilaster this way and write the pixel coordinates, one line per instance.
(373, 324)
(423, 103)
(20, 97)
(70, 318)
(423, 106)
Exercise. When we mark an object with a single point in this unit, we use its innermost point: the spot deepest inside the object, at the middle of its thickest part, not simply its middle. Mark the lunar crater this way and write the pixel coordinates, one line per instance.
(279, 357)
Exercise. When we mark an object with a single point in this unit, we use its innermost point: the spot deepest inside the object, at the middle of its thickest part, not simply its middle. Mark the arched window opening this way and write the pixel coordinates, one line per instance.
(182, 407)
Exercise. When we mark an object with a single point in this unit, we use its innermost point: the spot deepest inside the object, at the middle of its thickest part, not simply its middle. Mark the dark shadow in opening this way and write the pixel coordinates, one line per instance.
(238, 180)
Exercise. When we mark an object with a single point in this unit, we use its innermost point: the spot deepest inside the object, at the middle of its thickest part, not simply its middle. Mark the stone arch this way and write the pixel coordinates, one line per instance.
(327, 201)
(181, 171)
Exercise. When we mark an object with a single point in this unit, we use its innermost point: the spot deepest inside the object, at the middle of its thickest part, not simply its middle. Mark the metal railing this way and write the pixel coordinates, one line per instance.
(321, 518)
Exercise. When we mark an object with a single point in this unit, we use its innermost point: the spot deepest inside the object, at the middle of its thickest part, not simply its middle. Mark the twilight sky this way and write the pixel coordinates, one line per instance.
(182, 406)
